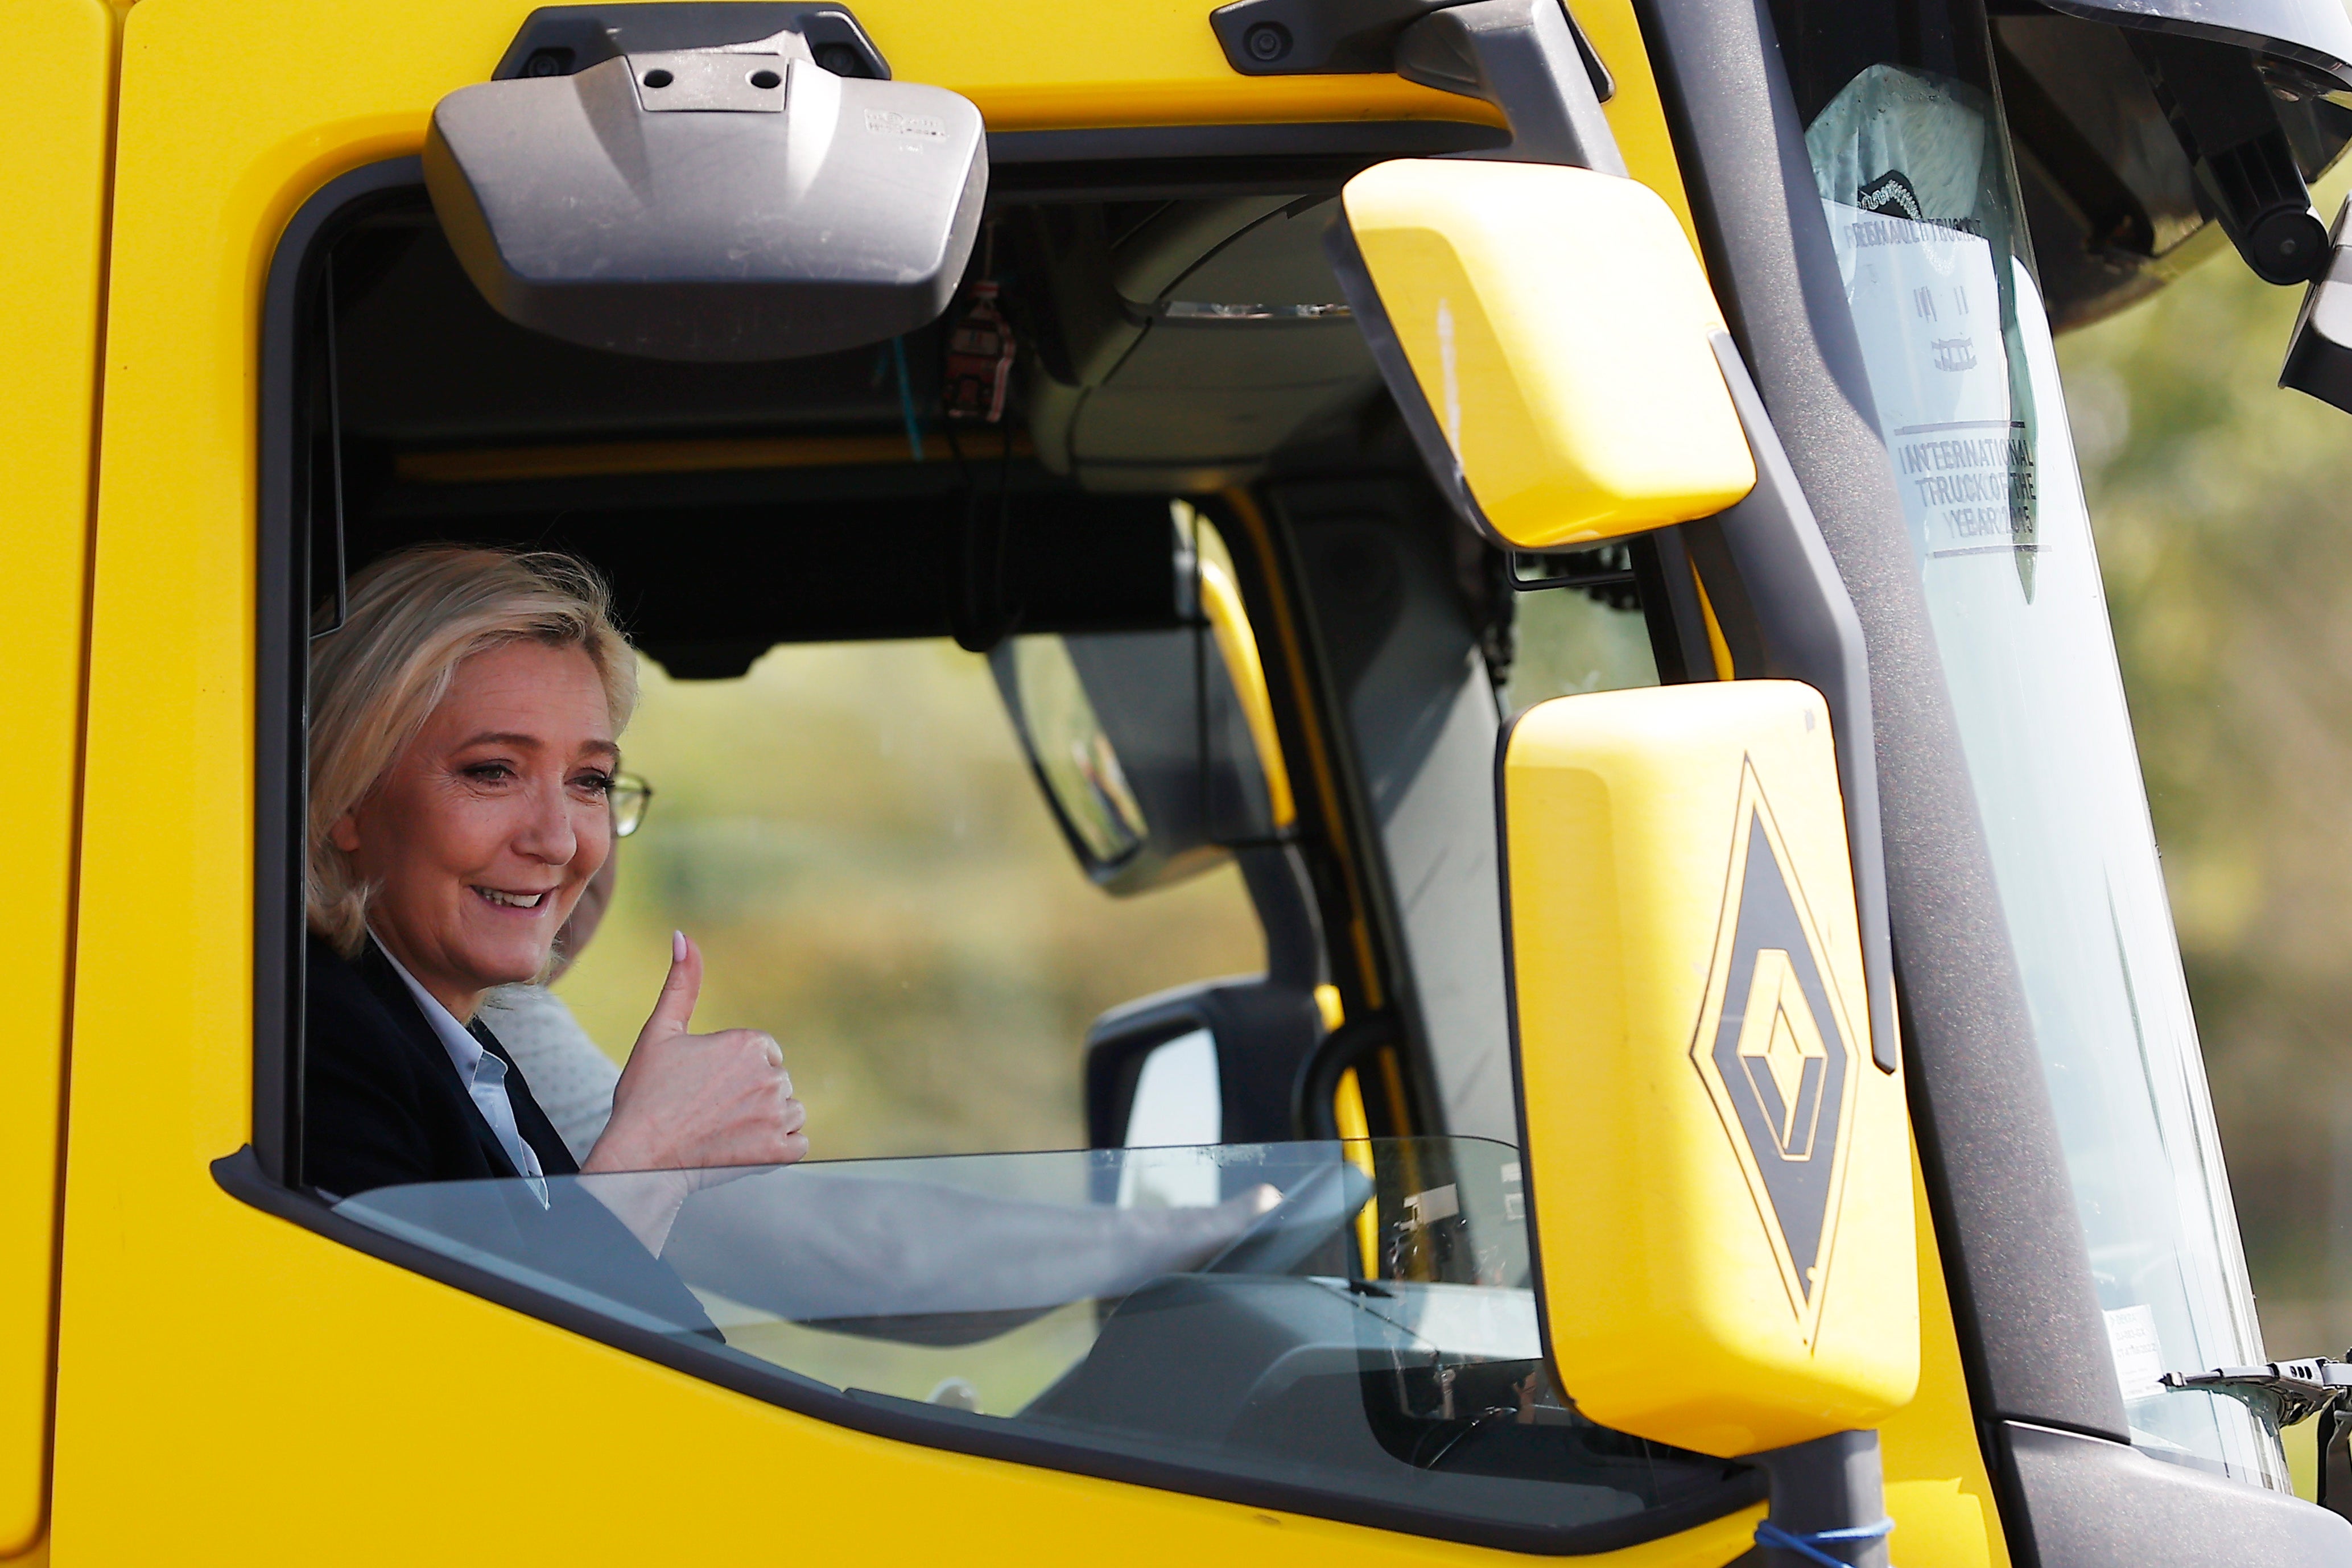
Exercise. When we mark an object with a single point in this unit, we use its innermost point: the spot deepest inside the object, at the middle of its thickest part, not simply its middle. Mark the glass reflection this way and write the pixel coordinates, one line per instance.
(1351, 1318)
(1075, 757)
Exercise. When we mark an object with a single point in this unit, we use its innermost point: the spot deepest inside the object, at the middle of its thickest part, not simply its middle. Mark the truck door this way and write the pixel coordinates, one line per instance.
(53, 181)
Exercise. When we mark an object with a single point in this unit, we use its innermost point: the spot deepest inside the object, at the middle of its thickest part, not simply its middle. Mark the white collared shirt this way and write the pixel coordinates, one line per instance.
(484, 1076)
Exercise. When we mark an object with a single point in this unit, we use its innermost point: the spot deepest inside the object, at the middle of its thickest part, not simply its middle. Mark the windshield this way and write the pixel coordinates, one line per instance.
(1910, 164)
(1350, 1320)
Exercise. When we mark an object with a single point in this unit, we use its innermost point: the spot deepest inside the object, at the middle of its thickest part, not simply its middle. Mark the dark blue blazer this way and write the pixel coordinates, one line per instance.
(385, 1105)
(383, 1108)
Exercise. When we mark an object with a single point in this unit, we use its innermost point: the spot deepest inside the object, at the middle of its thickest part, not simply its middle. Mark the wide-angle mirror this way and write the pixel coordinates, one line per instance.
(1351, 1319)
(1155, 749)
(1551, 339)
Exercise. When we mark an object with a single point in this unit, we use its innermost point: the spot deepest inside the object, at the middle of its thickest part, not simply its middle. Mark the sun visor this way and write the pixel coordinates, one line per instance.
(739, 202)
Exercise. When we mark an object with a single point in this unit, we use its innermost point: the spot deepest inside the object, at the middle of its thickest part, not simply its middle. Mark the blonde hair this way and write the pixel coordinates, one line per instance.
(414, 617)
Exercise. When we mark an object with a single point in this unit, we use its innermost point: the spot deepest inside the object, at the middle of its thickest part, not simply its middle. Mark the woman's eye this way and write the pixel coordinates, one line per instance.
(490, 773)
(593, 783)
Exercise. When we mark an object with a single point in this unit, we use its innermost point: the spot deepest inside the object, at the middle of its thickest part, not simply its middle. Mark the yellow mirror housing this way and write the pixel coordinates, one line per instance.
(1719, 1174)
(1549, 336)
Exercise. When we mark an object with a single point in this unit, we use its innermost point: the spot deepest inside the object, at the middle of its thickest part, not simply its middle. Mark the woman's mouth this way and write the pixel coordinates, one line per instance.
(506, 900)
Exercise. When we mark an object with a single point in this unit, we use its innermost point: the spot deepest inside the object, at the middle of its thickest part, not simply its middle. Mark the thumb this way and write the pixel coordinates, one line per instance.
(674, 1008)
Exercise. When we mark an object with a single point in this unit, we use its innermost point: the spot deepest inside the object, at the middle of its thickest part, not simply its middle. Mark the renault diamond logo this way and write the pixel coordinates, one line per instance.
(1781, 1047)
(1775, 1050)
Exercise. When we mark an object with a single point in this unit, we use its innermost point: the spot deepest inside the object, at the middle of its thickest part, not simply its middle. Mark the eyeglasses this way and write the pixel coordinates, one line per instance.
(628, 796)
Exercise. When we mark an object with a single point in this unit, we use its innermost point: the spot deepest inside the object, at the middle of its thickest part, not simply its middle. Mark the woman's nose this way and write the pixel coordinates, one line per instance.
(548, 832)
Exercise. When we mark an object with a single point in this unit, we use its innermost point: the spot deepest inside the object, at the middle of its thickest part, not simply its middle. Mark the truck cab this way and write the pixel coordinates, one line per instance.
(1411, 732)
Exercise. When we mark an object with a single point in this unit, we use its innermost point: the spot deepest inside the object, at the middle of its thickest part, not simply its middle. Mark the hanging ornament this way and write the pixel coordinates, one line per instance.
(978, 359)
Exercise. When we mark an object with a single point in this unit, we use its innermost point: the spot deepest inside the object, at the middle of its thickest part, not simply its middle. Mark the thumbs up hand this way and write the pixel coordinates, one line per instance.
(688, 1102)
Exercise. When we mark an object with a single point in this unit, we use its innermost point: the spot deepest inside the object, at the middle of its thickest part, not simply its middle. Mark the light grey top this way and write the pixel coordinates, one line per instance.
(570, 1078)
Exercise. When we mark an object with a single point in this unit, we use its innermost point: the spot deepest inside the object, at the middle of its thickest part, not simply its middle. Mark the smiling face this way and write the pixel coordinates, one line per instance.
(482, 833)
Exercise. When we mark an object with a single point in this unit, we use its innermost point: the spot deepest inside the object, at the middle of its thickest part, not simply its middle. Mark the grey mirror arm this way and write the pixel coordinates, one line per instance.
(1527, 57)
(1810, 632)
(1524, 58)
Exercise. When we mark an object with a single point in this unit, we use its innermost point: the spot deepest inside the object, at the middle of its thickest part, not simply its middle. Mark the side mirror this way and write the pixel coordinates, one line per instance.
(1719, 1175)
(738, 202)
(1155, 750)
(1548, 335)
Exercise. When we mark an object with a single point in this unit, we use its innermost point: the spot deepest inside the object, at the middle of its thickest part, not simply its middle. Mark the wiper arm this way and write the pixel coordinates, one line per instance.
(2286, 1391)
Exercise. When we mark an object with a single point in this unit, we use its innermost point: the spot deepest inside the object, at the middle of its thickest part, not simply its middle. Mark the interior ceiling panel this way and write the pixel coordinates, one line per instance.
(1246, 344)
(1212, 333)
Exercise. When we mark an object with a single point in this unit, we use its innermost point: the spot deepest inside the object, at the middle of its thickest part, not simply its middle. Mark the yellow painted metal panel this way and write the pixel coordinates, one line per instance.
(53, 188)
(1238, 644)
(235, 1389)
(1938, 1491)
(1718, 1171)
(308, 1406)
(1559, 328)
(1636, 116)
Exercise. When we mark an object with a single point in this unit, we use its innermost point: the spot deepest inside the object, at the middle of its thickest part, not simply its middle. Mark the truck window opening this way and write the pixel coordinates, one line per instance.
(847, 821)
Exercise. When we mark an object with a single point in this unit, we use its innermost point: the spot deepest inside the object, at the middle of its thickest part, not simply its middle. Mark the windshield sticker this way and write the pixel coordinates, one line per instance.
(1901, 163)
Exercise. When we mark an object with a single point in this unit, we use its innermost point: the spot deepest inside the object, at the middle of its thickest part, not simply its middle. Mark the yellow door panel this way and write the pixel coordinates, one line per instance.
(53, 188)
(304, 1403)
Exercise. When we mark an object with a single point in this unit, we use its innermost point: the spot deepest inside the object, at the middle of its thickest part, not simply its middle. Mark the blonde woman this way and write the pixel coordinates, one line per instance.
(464, 731)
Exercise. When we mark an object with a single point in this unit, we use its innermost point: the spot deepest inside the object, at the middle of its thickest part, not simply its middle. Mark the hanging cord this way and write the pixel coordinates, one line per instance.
(982, 615)
(1809, 1546)
(335, 461)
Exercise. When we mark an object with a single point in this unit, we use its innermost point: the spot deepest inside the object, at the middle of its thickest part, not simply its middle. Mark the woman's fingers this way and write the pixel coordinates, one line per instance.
(674, 1008)
(699, 1102)
(763, 1047)
(703, 1101)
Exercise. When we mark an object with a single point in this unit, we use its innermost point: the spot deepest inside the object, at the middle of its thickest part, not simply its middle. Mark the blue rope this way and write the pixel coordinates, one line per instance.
(906, 399)
(1769, 1534)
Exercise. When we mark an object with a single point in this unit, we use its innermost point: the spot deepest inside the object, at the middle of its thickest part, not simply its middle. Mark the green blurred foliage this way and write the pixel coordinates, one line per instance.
(1571, 641)
(852, 835)
(2221, 504)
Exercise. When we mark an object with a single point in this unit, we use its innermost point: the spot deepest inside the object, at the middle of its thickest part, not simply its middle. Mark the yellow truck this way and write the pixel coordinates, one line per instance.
(1567, 510)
